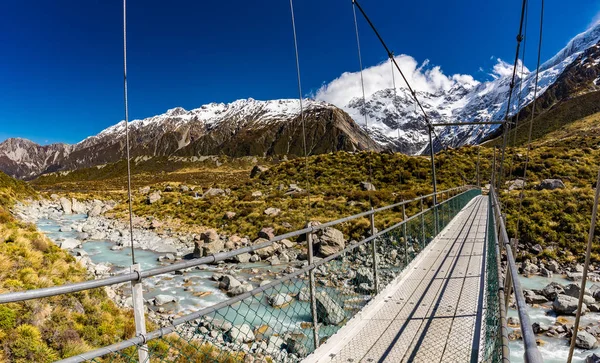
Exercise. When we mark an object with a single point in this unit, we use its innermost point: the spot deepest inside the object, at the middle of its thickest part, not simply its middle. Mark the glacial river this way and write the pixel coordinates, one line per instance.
(258, 312)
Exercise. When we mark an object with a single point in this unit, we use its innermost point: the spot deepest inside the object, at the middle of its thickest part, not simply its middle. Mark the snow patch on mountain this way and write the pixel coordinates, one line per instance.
(394, 120)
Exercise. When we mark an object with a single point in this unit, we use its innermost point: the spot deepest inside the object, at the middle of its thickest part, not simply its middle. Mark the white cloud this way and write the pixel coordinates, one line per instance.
(421, 78)
(504, 69)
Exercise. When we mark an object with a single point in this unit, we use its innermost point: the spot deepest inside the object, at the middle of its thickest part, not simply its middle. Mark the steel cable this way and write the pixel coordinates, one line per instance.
(127, 129)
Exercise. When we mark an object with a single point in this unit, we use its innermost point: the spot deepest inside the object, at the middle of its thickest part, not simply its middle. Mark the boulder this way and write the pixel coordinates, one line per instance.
(70, 243)
(267, 233)
(554, 267)
(585, 340)
(279, 300)
(567, 305)
(95, 211)
(537, 249)
(66, 206)
(257, 194)
(144, 190)
(212, 248)
(213, 192)
(540, 328)
(293, 189)
(197, 250)
(592, 358)
(328, 310)
(529, 268)
(272, 212)
(77, 207)
(240, 334)
(257, 170)
(184, 188)
(552, 290)
(153, 198)
(516, 184)
(331, 241)
(238, 290)
(163, 299)
(535, 299)
(303, 295)
(551, 184)
(295, 346)
(228, 282)
(229, 215)
(65, 229)
(367, 186)
(265, 252)
(243, 258)
(209, 236)
(574, 290)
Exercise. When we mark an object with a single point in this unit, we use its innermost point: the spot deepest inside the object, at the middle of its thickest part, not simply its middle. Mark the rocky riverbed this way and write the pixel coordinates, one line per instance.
(552, 303)
(275, 324)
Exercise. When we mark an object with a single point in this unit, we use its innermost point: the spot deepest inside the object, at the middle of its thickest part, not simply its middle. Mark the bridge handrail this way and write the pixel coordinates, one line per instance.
(143, 339)
(221, 256)
(532, 353)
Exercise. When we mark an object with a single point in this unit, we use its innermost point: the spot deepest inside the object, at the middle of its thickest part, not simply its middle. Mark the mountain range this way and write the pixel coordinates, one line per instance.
(251, 127)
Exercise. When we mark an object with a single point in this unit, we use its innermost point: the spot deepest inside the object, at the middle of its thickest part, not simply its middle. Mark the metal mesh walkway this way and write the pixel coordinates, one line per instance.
(432, 313)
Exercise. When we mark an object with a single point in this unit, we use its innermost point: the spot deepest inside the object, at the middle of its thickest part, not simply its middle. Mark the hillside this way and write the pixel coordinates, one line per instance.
(52, 328)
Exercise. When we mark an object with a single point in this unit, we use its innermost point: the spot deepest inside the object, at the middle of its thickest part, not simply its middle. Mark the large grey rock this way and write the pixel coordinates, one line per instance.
(243, 258)
(329, 312)
(551, 184)
(209, 236)
(213, 192)
(567, 305)
(574, 290)
(516, 184)
(585, 340)
(238, 290)
(70, 243)
(153, 198)
(66, 205)
(529, 268)
(240, 334)
(95, 211)
(265, 252)
(77, 207)
(228, 282)
(257, 170)
(367, 186)
(553, 266)
(331, 241)
(279, 300)
(295, 346)
(552, 290)
(163, 299)
(272, 212)
(592, 358)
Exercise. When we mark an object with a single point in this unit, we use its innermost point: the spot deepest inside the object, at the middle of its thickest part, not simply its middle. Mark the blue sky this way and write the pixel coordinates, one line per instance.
(61, 60)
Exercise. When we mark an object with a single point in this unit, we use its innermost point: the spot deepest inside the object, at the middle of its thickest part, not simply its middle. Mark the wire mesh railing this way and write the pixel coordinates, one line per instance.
(286, 319)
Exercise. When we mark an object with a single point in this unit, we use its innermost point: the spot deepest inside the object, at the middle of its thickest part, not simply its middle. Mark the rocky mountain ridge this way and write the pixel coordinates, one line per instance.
(242, 128)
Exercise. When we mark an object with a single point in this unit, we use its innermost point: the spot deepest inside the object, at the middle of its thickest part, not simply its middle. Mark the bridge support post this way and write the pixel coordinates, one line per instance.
(313, 294)
(405, 235)
(137, 293)
(374, 254)
(422, 226)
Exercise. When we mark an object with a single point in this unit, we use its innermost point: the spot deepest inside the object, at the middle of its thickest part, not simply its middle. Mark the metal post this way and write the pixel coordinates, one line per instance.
(374, 253)
(433, 179)
(137, 293)
(405, 235)
(313, 294)
(478, 179)
(422, 224)
(493, 177)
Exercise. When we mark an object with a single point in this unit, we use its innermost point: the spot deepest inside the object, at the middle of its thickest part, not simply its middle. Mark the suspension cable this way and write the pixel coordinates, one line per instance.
(533, 106)
(127, 129)
(516, 123)
(512, 86)
(364, 103)
(586, 265)
(307, 208)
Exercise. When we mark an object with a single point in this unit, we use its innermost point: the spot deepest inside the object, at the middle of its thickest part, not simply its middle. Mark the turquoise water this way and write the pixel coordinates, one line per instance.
(553, 350)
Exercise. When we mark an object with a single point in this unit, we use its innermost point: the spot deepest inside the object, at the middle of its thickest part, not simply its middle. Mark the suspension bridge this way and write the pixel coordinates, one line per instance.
(434, 287)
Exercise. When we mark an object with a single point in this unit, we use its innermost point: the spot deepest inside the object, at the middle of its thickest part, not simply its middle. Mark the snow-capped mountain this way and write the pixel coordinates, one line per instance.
(394, 121)
(242, 128)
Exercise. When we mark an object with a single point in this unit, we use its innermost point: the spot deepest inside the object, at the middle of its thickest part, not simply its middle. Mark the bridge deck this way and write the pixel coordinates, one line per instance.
(431, 313)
